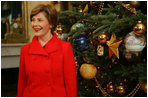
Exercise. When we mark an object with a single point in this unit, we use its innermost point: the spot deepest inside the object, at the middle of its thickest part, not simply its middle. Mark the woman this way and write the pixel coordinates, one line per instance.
(47, 66)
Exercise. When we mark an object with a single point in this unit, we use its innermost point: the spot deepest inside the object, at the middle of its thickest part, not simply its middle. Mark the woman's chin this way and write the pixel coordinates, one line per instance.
(37, 34)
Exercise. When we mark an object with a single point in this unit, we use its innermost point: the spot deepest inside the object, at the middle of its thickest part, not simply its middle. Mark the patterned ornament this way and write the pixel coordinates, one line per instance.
(102, 38)
(139, 28)
(88, 71)
(81, 42)
(134, 42)
(113, 45)
(100, 50)
(134, 4)
(120, 89)
(76, 25)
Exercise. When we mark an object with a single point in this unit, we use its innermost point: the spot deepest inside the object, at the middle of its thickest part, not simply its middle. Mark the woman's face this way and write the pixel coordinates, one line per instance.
(40, 25)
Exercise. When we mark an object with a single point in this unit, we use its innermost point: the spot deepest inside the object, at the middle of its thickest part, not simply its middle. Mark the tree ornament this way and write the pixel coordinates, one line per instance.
(102, 38)
(134, 42)
(113, 45)
(144, 87)
(100, 50)
(110, 88)
(76, 25)
(94, 4)
(131, 57)
(88, 71)
(129, 8)
(86, 8)
(69, 38)
(62, 36)
(134, 4)
(59, 29)
(101, 7)
(120, 89)
(86, 60)
(80, 9)
(77, 64)
(81, 42)
(139, 28)
(95, 42)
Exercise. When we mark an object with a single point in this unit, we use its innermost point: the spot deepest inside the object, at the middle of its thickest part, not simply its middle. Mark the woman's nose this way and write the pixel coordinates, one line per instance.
(34, 23)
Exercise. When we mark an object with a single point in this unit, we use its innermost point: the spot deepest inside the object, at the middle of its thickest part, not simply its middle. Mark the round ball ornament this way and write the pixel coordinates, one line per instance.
(139, 28)
(76, 25)
(88, 71)
(81, 42)
(134, 42)
(135, 4)
(102, 38)
(120, 89)
(110, 88)
(144, 87)
(59, 29)
(62, 36)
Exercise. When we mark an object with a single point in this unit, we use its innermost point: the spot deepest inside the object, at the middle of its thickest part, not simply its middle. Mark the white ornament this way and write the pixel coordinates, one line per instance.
(134, 42)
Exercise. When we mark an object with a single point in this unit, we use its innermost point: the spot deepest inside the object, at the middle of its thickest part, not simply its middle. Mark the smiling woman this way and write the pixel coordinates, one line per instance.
(40, 74)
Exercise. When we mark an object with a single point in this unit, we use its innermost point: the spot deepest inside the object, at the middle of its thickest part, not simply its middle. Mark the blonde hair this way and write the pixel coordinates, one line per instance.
(49, 12)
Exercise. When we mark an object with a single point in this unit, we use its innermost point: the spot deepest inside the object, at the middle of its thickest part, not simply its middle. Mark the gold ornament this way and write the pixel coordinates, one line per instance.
(86, 60)
(86, 8)
(101, 7)
(139, 28)
(110, 88)
(95, 42)
(135, 4)
(69, 38)
(88, 71)
(100, 50)
(120, 89)
(129, 8)
(102, 38)
(59, 29)
(77, 64)
(113, 44)
(144, 87)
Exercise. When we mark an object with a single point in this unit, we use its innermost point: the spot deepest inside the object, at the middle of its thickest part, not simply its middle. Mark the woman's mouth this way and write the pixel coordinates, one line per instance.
(37, 29)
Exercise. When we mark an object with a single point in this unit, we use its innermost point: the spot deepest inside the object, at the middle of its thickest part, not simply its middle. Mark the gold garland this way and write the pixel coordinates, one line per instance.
(101, 7)
(131, 94)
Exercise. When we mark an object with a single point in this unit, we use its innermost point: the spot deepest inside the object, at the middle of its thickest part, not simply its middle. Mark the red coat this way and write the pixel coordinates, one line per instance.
(47, 72)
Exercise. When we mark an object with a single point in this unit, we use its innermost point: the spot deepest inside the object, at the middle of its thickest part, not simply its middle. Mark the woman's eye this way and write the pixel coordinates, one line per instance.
(40, 20)
(33, 20)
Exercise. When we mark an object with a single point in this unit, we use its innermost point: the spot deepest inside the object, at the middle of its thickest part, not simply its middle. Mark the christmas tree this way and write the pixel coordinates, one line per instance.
(109, 45)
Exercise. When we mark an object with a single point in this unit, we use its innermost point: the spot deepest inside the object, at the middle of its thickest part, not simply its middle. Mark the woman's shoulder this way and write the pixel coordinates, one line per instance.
(64, 43)
(25, 47)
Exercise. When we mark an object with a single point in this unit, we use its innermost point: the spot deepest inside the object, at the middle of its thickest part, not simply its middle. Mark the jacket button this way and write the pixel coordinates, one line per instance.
(32, 72)
(48, 83)
(47, 71)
